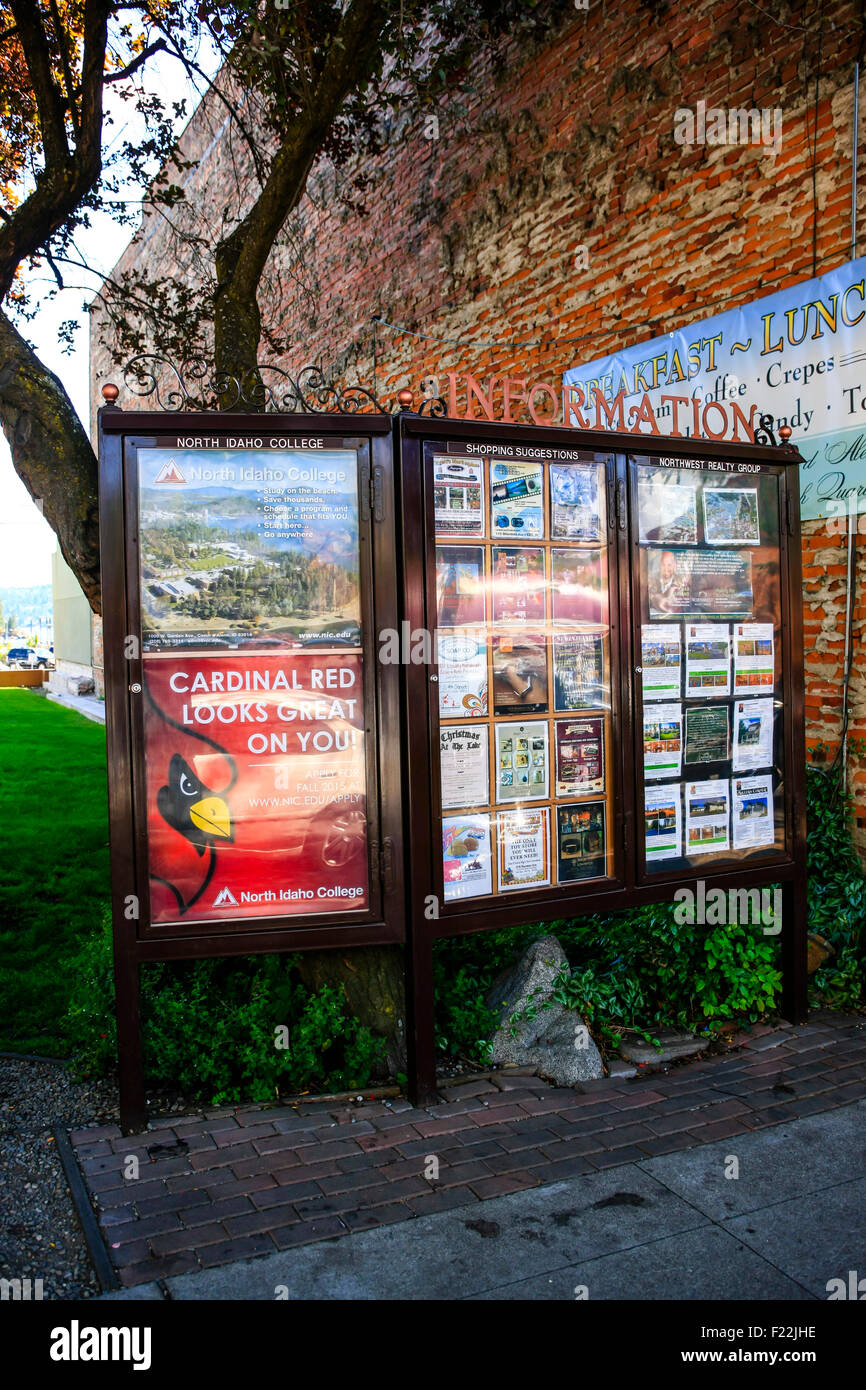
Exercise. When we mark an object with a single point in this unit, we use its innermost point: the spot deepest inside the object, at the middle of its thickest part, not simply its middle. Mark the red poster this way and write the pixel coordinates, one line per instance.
(256, 791)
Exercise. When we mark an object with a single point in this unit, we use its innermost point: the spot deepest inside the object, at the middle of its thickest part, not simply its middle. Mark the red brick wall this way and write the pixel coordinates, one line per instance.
(474, 237)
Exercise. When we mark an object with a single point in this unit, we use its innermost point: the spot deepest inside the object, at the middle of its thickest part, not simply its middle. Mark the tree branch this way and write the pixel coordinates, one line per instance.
(159, 47)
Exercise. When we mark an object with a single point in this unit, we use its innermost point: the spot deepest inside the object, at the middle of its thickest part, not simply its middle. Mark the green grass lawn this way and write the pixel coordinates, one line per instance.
(54, 884)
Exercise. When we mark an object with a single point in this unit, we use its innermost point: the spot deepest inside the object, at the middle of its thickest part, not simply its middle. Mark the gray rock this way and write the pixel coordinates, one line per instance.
(80, 685)
(555, 1041)
(674, 1044)
(533, 976)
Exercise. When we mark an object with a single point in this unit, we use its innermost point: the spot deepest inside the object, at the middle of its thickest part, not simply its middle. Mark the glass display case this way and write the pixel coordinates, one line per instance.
(525, 668)
(709, 642)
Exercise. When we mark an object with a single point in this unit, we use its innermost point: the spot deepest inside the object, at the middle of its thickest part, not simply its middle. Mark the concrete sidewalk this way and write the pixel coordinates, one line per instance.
(212, 1188)
(674, 1227)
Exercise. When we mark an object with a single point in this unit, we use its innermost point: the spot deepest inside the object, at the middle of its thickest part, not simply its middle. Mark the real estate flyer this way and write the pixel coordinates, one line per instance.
(463, 765)
(661, 661)
(458, 496)
(707, 735)
(663, 822)
(731, 516)
(708, 659)
(753, 813)
(574, 502)
(462, 666)
(522, 761)
(466, 858)
(754, 658)
(662, 741)
(516, 499)
(707, 817)
(579, 756)
(524, 848)
(753, 734)
(698, 583)
(667, 508)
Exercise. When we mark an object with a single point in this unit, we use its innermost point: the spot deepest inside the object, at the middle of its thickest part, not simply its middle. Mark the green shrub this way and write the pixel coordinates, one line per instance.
(836, 888)
(639, 969)
(209, 1027)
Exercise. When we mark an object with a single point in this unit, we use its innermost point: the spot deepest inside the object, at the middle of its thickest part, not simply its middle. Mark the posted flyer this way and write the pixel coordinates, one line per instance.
(249, 549)
(516, 499)
(579, 756)
(462, 669)
(707, 735)
(524, 848)
(731, 516)
(458, 496)
(581, 841)
(698, 583)
(578, 583)
(463, 765)
(466, 857)
(708, 659)
(661, 661)
(753, 813)
(754, 658)
(574, 502)
(522, 761)
(667, 508)
(663, 833)
(578, 670)
(753, 734)
(459, 585)
(662, 741)
(254, 765)
(519, 673)
(518, 584)
(707, 817)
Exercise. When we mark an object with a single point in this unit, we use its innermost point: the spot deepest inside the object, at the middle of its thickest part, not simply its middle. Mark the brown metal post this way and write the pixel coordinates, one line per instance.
(420, 1033)
(125, 903)
(795, 979)
(133, 1105)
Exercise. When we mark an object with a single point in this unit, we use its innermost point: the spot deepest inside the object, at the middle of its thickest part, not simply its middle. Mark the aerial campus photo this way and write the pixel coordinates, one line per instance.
(432, 691)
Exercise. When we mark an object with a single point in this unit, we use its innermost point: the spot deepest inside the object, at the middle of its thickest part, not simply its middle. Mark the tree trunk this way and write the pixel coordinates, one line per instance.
(52, 455)
(371, 978)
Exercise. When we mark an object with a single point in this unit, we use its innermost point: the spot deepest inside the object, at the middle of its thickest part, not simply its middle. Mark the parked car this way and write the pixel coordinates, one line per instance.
(28, 658)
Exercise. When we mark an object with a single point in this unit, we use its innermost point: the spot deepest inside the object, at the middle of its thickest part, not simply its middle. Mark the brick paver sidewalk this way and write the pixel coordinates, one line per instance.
(227, 1184)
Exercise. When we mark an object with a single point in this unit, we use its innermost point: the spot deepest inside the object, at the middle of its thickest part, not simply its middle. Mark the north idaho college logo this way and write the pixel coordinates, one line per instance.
(225, 898)
(170, 473)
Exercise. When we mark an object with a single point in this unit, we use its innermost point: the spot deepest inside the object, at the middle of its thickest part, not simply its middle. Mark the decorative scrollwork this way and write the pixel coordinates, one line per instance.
(196, 385)
(764, 433)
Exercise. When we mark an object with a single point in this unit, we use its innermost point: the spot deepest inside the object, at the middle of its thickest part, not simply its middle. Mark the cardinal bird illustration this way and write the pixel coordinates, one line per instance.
(195, 809)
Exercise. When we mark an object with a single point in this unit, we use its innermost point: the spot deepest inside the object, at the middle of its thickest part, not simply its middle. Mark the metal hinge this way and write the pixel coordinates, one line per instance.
(611, 503)
(626, 836)
(386, 863)
(621, 508)
(376, 492)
